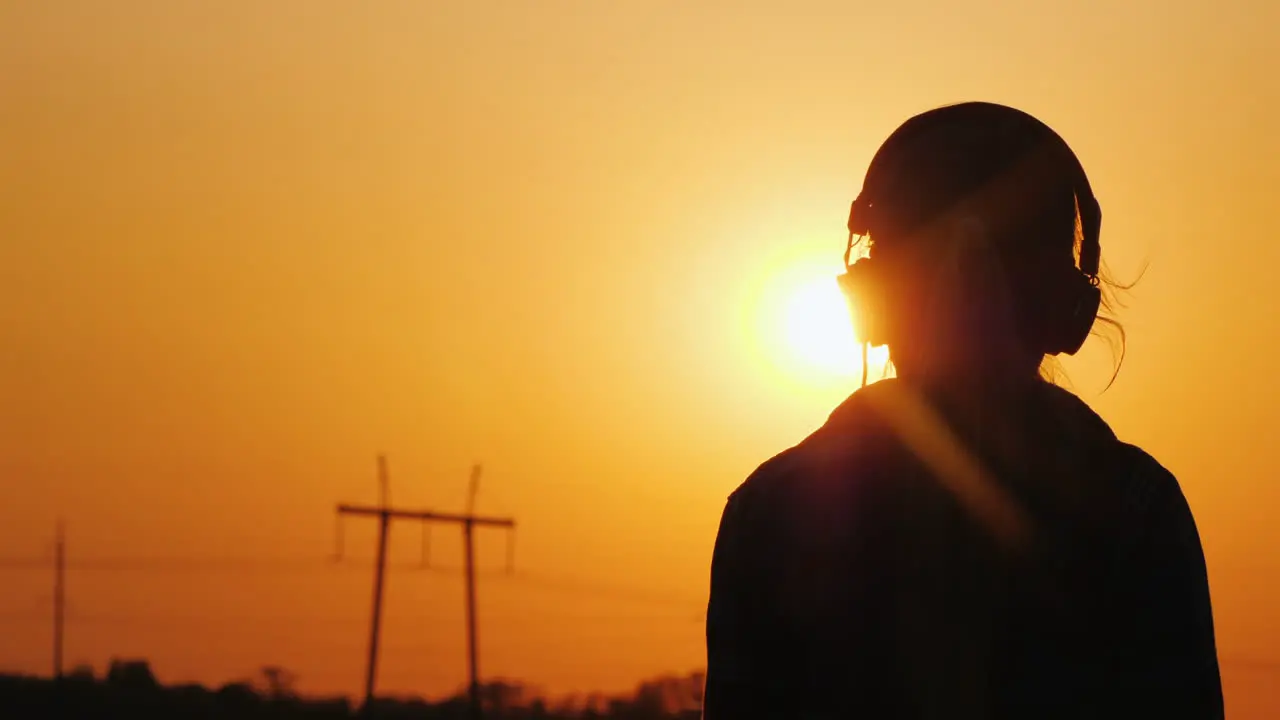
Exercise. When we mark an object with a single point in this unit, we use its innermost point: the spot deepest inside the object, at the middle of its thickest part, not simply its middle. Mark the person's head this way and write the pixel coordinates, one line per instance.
(983, 245)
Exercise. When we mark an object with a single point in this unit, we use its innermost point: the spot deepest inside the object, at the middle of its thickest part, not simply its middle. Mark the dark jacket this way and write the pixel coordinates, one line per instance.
(912, 560)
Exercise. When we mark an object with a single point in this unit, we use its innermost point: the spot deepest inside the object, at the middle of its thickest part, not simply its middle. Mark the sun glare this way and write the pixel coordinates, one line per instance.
(819, 331)
(810, 330)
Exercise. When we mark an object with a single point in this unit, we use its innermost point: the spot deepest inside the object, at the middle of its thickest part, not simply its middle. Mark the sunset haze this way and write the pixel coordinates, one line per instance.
(245, 247)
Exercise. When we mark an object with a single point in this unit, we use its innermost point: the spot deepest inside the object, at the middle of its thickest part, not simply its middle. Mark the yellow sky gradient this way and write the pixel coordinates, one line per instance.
(246, 246)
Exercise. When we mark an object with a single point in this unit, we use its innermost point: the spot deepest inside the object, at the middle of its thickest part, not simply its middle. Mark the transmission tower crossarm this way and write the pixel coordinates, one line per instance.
(426, 515)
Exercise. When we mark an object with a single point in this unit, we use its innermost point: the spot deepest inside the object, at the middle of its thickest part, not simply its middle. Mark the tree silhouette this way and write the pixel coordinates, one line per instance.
(129, 690)
(278, 682)
(131, 674)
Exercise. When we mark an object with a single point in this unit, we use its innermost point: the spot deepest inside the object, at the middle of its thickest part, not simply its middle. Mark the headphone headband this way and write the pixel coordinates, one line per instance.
(953, 153)
(962, 123)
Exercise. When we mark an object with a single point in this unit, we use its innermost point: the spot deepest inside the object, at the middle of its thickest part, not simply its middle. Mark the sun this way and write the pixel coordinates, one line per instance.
(810, 329)
(818, 328)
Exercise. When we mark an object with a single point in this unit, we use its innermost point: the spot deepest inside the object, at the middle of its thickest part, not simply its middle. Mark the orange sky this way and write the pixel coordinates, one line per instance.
(244, 247)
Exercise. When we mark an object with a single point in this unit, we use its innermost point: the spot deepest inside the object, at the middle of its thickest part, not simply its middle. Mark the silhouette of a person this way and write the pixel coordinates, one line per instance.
(967, 539)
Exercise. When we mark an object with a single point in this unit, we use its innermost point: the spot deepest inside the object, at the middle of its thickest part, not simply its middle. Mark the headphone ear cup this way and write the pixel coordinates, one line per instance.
(1073, 313)
(863, 289)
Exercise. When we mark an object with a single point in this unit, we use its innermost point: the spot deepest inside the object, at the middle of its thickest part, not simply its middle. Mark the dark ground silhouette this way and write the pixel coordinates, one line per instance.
(129, 690)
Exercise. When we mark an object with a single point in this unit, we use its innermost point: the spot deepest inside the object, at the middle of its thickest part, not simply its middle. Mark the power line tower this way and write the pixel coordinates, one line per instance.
(469, 521)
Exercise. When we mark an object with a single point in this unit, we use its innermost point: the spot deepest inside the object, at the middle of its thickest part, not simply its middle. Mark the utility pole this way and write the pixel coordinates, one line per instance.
(469, 521)
(468, 526)
(379, 574)
(59, 598)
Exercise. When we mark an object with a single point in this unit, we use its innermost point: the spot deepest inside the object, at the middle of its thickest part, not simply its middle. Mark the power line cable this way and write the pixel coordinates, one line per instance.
(303, 565)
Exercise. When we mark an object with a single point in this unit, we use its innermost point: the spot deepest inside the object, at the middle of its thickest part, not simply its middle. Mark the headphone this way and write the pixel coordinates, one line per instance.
(1063, 321)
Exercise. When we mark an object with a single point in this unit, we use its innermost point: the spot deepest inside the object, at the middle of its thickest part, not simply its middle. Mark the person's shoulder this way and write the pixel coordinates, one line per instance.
(1144, 480)
(1143, 461)
(765, 481)
(829, 452)
(1141, 477)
